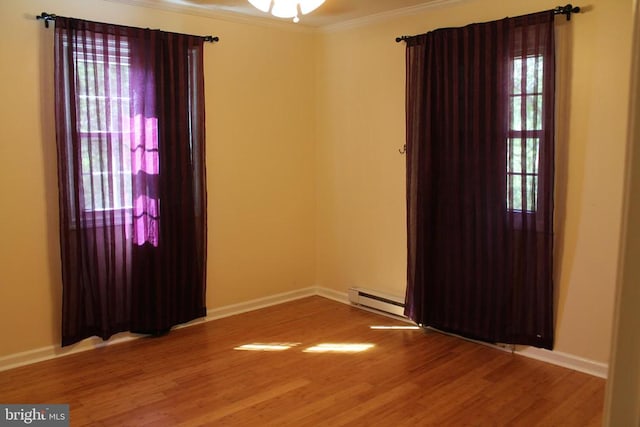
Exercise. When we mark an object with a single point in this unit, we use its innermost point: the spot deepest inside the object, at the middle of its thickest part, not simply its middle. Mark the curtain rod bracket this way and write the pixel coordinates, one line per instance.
(566, 10)
(46, 17)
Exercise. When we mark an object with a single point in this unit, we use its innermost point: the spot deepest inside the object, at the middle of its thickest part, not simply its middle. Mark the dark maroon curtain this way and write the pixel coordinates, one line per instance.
(131, 176)
(480, 152)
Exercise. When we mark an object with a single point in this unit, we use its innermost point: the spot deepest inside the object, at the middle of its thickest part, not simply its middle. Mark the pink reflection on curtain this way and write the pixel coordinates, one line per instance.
(144, 145)
(146, 215)
(144, 170)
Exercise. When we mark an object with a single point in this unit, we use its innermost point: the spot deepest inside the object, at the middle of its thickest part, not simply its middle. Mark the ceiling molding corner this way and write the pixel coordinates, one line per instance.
(383, 16)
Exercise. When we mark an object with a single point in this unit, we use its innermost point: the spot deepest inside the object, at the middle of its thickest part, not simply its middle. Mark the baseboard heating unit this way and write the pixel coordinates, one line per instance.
(378, 301)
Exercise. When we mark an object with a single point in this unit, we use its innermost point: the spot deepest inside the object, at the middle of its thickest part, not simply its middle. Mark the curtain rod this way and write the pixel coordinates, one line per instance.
(47, 17)
(566, 10)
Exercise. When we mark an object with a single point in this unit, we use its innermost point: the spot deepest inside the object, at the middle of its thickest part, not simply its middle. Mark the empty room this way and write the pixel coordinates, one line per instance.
(310, 213)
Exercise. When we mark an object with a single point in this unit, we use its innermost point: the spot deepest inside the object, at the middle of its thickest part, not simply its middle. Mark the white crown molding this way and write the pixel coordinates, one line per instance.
(384, 16)
(220, 15)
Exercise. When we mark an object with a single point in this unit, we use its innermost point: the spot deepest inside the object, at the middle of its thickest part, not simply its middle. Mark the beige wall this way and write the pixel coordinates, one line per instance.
(260, 161)
(305, 183)
(361, 212)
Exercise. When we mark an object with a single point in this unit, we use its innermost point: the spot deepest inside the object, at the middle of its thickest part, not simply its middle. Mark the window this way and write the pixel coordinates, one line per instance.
(104, 126)
(118, 146)
(525, 134)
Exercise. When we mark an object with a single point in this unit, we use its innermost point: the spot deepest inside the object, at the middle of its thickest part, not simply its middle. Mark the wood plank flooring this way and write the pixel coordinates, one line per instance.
(193, 376)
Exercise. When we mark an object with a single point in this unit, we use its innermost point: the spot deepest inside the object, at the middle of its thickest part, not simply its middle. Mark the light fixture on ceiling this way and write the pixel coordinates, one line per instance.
(287, 8)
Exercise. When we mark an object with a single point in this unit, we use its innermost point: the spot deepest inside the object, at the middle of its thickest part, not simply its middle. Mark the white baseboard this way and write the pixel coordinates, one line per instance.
(332, 294)
(255, 304)
(15, 360)
(566, 360)
(558, 358)
(50, 352)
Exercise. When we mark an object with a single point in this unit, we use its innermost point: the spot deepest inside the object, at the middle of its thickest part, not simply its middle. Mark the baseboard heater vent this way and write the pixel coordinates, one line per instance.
(377, 301)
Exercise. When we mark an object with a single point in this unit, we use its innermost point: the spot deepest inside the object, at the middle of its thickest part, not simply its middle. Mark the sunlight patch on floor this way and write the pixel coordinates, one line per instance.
(266, 346)
(338, 348)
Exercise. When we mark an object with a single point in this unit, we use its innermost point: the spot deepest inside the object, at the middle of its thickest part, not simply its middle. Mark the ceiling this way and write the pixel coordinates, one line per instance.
(332, 12)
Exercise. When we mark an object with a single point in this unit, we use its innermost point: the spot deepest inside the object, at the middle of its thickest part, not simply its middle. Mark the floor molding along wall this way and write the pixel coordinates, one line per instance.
(15, 360)
(570, 361)
(566, 360)
(50, 352)
(255, 304)
(332, 294)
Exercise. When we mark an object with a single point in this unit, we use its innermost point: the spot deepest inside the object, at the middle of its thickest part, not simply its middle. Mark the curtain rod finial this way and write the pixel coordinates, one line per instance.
(46, 17)
(567, 10)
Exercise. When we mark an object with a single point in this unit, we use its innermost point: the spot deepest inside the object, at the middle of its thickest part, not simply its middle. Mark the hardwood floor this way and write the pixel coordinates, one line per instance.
(193, 376)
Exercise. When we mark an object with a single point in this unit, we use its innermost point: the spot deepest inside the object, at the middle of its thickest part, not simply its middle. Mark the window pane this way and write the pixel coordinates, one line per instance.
(534, 74)
(106, 173)
(522, 155)
(516, 113)
(531, 199)
(533, 71)
(93, 155)
(532, 113)
(516, 89)
(104, 190)
(531, 155)
(521, 198)
(514, 192)
(522, 170)
(514, 155)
